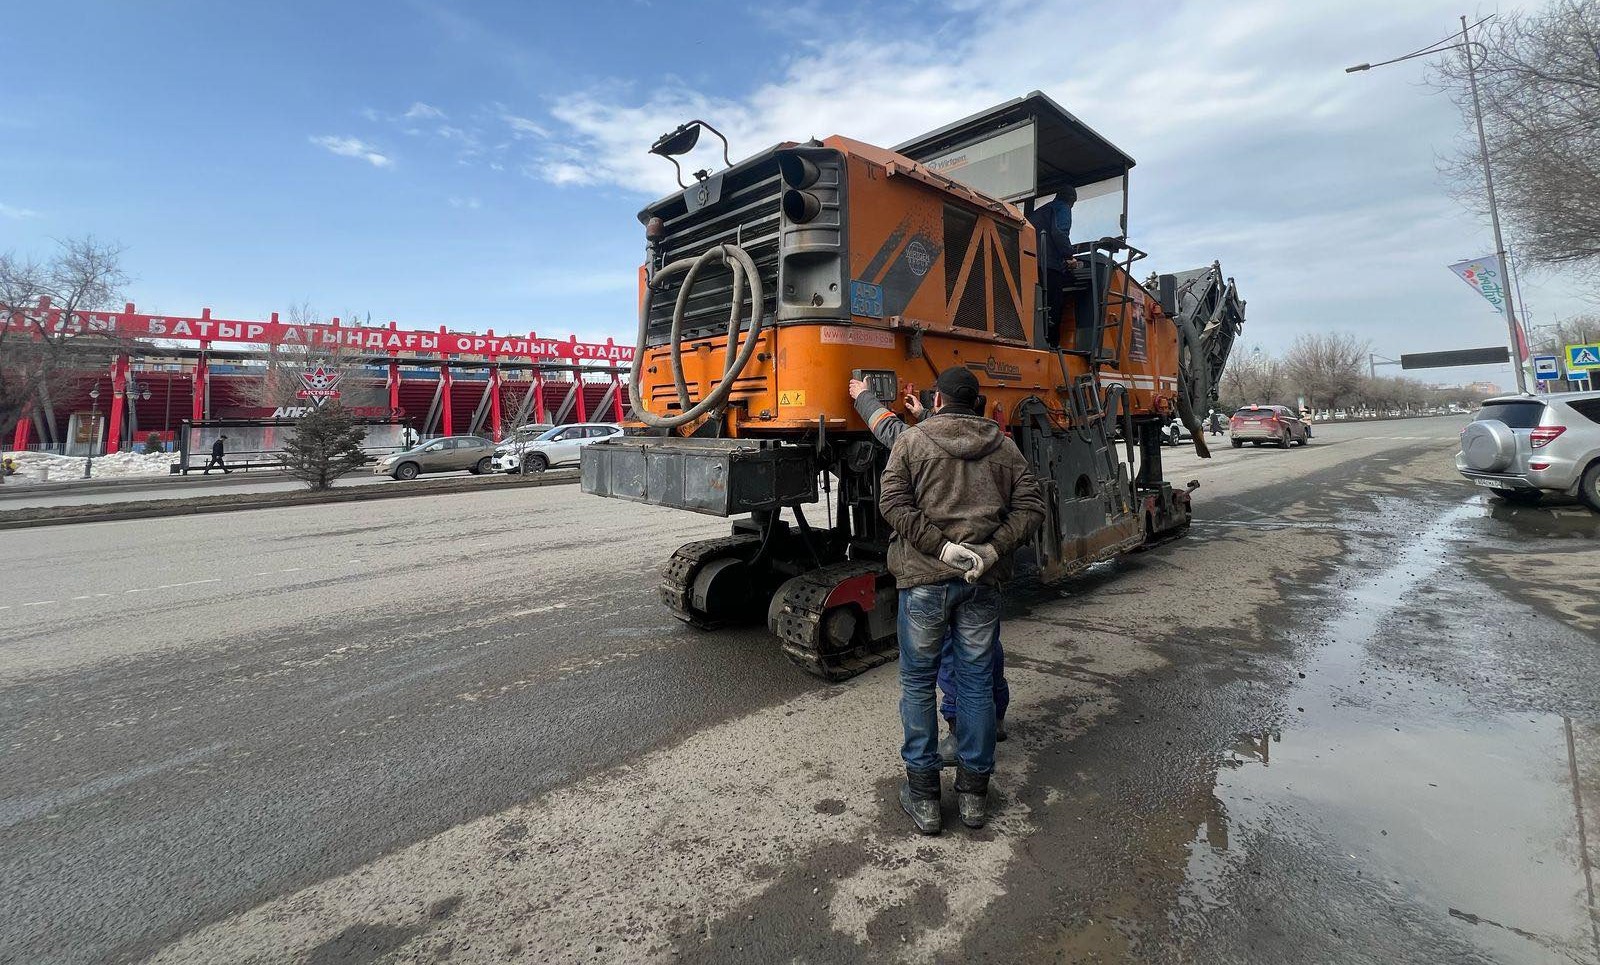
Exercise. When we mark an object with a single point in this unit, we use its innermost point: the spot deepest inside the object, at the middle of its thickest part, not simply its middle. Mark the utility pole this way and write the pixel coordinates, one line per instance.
(1494, 213)
(1467, 44)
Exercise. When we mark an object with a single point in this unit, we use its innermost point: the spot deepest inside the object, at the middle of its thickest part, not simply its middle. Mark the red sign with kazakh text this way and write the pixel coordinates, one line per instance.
(386, 340)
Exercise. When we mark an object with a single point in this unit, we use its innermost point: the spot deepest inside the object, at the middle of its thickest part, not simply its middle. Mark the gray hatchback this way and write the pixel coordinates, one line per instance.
(1523, 446)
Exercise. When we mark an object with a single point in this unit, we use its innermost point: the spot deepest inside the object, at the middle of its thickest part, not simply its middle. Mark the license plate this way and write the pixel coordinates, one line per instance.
(1493, 484)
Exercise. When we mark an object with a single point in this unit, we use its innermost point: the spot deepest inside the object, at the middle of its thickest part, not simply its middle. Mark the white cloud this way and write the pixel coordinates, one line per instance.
(16, 213)
(353, 147)
(523, 128)
(1315, 188)
(423, 112)
(470, 204)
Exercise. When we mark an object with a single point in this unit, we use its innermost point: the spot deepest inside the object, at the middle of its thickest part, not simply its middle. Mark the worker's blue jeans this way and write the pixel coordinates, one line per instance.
(970, 614)
(950, 702)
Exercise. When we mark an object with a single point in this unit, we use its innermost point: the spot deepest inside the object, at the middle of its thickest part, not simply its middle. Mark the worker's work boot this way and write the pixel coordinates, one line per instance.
(947, 743)
(972, 797)
(919, 797)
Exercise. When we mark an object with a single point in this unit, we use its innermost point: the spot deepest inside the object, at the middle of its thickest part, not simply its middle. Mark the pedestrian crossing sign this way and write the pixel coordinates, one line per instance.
(1583, 356)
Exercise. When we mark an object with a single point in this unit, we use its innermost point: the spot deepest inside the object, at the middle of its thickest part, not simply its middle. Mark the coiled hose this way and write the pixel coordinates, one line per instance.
(743, 267)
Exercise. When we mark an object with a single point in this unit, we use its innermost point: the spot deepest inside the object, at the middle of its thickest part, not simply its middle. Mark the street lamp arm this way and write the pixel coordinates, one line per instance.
(1481, 49)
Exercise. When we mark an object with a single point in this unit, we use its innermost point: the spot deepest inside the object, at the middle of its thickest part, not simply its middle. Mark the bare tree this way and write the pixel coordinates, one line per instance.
(1326, 368)
(83, 276)
(281, 381)
(1251, 377)
(1553, 339)
(1539, 79)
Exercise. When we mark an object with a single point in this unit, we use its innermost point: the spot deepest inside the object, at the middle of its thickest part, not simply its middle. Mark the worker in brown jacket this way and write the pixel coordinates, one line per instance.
(960, 499)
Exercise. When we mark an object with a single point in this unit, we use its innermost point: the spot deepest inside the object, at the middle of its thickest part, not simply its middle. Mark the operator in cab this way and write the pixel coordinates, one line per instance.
(1053, 221)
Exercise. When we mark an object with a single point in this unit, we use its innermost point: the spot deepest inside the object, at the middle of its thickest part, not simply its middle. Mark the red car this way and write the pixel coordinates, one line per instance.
(1256, 424)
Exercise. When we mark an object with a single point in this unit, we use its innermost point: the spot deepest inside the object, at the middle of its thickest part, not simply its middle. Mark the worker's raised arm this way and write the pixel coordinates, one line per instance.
(1025, 503)
(885, 425)
(897, 501)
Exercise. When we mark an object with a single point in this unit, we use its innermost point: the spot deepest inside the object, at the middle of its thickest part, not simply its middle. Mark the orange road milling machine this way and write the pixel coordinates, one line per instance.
(768, 284)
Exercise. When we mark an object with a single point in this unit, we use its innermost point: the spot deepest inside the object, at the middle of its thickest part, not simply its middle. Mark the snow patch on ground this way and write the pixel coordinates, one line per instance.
(37, 467)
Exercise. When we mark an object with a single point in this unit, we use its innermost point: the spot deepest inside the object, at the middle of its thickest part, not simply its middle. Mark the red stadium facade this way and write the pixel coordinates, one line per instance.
(164, 370)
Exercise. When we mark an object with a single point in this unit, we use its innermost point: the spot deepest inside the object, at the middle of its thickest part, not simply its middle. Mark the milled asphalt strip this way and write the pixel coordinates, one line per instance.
(17, 810)
(158, 508)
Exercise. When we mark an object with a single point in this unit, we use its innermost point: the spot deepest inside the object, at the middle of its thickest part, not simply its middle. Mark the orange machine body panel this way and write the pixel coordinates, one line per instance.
(958, 275)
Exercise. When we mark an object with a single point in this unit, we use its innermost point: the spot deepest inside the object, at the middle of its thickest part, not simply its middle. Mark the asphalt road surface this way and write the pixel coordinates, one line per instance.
(1352, 717)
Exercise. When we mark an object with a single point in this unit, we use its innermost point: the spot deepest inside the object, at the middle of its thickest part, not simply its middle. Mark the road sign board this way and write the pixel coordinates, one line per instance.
(1583, 356)
(1546, 368)
(1465, 356)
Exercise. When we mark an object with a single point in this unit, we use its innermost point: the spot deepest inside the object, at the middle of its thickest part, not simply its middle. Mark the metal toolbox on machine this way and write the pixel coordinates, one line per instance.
(718, 477)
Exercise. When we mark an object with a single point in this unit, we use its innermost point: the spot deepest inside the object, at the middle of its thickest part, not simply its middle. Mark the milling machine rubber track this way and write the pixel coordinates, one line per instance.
(797, 617)
(677, 576)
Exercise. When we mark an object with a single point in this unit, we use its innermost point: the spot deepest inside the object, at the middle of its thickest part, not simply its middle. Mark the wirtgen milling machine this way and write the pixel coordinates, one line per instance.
(769, 283)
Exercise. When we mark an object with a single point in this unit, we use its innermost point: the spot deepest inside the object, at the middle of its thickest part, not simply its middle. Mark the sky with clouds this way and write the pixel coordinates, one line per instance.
(480, 165)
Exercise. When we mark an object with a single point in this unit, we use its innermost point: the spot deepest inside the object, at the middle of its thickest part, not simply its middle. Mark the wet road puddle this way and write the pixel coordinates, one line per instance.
(1385, 806)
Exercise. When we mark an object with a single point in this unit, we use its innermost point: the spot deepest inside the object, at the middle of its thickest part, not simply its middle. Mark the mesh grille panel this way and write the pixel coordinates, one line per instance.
(973, 312)
(1013, 255)
(1007, 323)
(958, 226)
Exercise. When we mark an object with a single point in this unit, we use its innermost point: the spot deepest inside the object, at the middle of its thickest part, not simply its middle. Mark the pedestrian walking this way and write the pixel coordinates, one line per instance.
(217, 450)
(960, 499)
(886, 428)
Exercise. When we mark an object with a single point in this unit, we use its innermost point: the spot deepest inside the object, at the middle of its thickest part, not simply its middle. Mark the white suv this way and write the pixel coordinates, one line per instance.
(558, 446)
(1523, 446)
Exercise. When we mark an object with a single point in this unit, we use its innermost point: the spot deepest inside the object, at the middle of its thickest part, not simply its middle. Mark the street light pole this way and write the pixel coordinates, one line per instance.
(1468, 44)
(1494, 215)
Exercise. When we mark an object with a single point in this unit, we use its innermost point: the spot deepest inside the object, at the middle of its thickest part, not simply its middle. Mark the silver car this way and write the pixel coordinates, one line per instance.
(1523, 446)
(558, 446)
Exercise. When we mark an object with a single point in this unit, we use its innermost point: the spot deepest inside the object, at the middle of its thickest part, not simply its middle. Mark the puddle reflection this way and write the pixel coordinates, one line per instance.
(1407, 804)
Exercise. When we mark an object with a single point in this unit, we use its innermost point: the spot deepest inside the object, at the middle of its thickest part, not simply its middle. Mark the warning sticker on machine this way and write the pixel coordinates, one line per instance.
(792, 398)
(840, 335)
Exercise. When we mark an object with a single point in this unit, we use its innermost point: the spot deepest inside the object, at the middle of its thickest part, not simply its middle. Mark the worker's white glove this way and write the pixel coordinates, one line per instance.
(987, 557)
(961, 557)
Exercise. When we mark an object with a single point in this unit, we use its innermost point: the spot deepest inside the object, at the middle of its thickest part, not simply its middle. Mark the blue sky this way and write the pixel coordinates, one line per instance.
(480, 164)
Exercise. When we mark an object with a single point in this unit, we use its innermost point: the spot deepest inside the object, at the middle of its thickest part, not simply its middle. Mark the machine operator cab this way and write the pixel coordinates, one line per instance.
(1031, 152)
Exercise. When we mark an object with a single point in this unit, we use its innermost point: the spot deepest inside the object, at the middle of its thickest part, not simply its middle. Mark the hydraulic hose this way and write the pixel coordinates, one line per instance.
(743, 267)
(1193, 382)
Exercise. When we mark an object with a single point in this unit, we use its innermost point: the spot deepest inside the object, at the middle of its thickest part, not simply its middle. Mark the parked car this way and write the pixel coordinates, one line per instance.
(522, 435)
(1523, 446)
(557, 446)
(1257, 424)
(447, 454)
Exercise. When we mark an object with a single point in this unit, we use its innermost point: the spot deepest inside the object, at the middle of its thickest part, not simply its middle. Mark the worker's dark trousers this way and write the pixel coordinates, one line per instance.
(950, 706)
(216, 461)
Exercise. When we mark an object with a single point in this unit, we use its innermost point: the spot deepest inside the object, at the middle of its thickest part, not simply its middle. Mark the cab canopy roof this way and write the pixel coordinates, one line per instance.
(1065, 151)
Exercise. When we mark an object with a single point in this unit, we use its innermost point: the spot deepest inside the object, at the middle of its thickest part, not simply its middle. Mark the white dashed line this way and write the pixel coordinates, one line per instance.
(149, 589)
